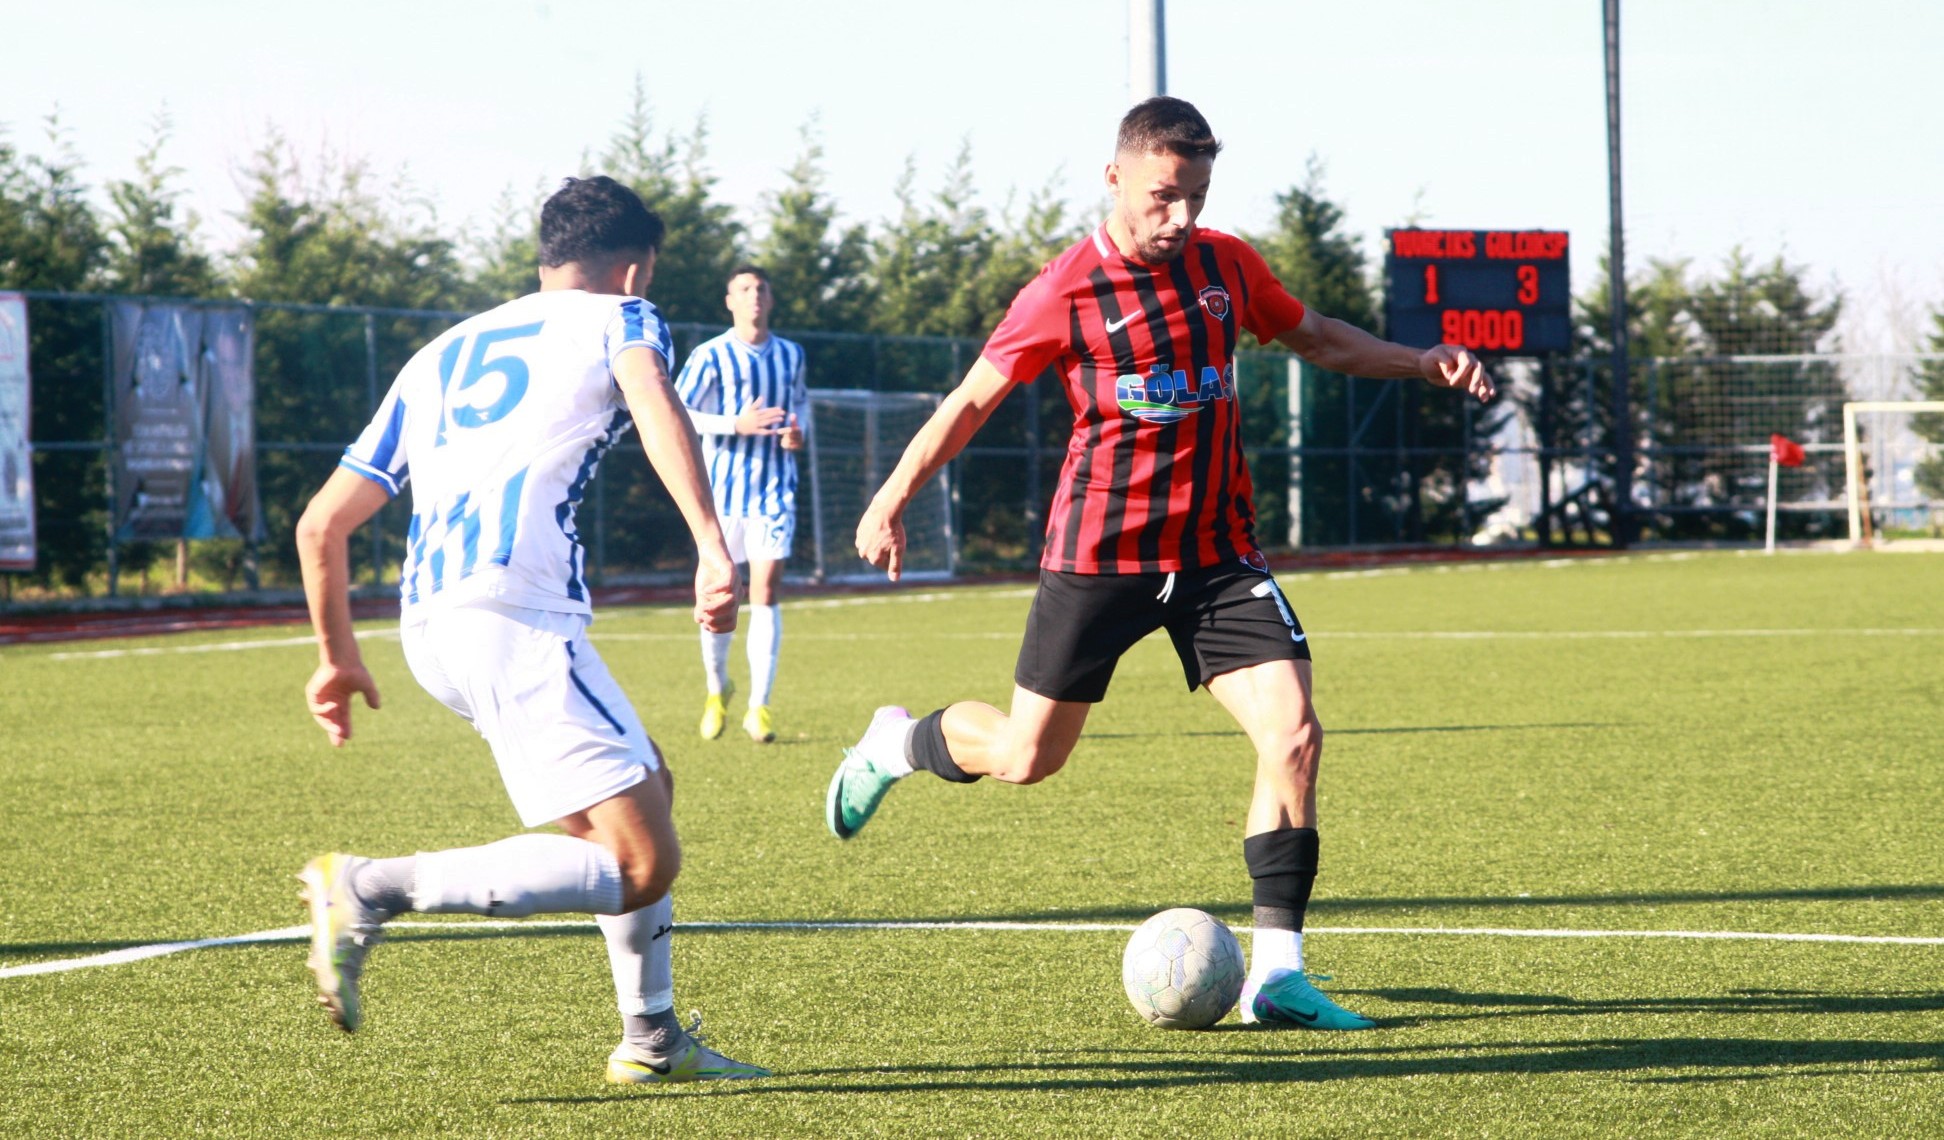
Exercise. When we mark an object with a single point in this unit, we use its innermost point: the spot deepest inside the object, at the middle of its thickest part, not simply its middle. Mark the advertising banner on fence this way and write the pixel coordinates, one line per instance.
(184, 390)
(16, 457)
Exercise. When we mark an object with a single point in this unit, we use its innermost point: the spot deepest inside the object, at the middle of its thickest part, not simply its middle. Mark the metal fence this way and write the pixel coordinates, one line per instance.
(1337, 462)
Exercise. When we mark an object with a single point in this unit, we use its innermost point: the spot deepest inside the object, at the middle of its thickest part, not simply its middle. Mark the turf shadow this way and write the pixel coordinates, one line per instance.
(1498, 1006)
(1658, 1060)
(1238, 734)
(1234, 910)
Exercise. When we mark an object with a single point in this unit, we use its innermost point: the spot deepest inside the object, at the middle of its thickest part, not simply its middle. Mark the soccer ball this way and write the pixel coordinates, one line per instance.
(1183, 969)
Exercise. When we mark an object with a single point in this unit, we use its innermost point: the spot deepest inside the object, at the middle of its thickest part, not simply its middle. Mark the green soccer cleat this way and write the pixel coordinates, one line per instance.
(757, 723)
(343, 931)
(689, 1060)
(859, 785)
(1286, 999)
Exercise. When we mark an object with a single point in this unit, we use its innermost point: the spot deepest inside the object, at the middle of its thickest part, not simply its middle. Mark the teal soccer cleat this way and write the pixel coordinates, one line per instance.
(1286, 999)
(859, 785)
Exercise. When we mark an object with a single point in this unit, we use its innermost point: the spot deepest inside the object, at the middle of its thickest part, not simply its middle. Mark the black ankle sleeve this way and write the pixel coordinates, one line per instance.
(927, 750)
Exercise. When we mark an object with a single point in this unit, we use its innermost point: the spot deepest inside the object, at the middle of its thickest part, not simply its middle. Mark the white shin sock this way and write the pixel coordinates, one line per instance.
(765, 638)
(715, 659)
(638, 952)
(527, 874)
(1274, 950)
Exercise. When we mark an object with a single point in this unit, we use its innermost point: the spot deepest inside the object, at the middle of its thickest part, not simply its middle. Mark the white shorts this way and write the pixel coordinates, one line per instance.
(564, 734)
(766, 538)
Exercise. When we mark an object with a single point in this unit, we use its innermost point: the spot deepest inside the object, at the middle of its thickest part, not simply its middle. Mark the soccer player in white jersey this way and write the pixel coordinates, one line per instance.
(746, 392)
(498, 424)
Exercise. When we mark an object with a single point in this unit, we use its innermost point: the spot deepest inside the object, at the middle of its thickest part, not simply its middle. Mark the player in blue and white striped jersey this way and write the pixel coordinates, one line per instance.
(746, 391)
(498, 425)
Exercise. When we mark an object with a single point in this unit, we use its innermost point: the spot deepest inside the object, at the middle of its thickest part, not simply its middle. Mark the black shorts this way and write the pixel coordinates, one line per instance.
(1221, 618)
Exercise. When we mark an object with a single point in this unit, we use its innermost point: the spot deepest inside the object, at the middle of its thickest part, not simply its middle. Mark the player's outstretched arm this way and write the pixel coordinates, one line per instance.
(346, 501)
(880, 533)
(1341, 347)
(676, 455)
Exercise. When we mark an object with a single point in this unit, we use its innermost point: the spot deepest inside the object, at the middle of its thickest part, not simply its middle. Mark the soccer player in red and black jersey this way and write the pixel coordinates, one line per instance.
(1153, 524)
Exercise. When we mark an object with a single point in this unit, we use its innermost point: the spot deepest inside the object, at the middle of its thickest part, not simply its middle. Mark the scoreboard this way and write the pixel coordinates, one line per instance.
(1503, 292)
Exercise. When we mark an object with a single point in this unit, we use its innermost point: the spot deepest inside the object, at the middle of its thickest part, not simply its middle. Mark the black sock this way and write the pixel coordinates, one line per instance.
(927, 750)
(1283, 865)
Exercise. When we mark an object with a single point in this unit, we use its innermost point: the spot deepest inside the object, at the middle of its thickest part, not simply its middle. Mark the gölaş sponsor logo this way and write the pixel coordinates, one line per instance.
(1166, 395)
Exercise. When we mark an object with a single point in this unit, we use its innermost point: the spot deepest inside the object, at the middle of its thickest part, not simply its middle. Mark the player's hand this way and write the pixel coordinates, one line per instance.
(329, 696)
(1453, 366)
(881, 539)
(759, 420)
(791, 437)
(715, 592)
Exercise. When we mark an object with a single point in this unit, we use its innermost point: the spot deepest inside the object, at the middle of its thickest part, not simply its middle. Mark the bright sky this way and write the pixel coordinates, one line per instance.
(1794, 125)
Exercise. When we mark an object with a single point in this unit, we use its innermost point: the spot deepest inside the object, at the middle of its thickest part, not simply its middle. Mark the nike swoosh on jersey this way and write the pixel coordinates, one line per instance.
(1116, 326)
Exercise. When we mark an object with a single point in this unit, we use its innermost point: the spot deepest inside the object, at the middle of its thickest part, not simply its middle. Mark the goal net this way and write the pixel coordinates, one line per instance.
(855, 440)
(1893, 469)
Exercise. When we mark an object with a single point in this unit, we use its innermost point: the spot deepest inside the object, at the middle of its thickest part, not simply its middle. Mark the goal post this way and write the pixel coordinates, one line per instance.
(855, 439)
(1902, 461)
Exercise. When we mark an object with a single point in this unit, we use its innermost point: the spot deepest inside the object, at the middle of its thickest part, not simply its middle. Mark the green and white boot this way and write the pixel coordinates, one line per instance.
(1286, 998)
(860, 783)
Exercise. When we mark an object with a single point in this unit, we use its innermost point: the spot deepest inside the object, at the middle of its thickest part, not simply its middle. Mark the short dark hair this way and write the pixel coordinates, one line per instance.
(594, 221)
(1168, 125)
(756, 271)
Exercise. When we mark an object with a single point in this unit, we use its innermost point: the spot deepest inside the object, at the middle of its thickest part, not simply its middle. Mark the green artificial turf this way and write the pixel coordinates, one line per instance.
(1704, 743)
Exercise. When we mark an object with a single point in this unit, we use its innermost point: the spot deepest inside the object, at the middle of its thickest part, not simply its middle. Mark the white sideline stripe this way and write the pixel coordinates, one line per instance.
(1383, 635)
(1008, 635)
(212, 647)
(301, 933)
(1620, 634)
(155, 950)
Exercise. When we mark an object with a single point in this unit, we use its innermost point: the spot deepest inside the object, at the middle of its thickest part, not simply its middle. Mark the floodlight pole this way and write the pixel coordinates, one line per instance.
(1147, 49)
(1623, 441)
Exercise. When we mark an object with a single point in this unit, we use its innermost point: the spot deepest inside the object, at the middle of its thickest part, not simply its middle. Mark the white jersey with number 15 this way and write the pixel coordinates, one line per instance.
(498, 425)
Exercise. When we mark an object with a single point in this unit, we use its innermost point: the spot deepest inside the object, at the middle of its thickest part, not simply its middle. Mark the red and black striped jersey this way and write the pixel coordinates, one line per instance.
(1154, 478)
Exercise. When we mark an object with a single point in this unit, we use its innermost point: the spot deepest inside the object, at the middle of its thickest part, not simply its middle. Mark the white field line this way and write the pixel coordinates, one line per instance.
(301, 933)
(1618, 634)
(1010, 635)
(212, 647)
(1381, 635)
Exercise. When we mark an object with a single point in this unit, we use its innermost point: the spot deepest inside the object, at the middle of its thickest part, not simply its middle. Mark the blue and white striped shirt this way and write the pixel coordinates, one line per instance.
(498, 424)
(752, 475)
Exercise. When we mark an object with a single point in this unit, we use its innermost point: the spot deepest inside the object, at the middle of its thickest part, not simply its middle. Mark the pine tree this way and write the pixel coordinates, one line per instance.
(1314, 257)
(927, 260)
(1930, 383)
(51, 239)
(818, 269)
(152, 252)
(703, 239)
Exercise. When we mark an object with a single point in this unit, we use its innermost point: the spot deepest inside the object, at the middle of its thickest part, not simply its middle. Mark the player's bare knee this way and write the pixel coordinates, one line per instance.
(1294, 752)
(647, 877)
(1033, 763)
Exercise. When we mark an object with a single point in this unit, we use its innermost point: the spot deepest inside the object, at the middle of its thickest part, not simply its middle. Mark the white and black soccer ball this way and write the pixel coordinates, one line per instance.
(1183, 969)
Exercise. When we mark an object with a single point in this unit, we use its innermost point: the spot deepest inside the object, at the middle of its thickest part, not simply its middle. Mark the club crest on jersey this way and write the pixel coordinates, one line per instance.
(1165, 395)
(1216, 300)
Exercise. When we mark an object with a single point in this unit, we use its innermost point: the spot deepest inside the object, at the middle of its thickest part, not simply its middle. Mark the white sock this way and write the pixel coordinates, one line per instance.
(1274, 950)
(890, 747)
(765, 638)
(638, 952)
(527, 874)
(715, 659)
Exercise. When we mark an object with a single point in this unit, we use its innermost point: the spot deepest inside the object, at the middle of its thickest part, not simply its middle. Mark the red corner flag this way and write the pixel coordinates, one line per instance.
(1785, 451)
